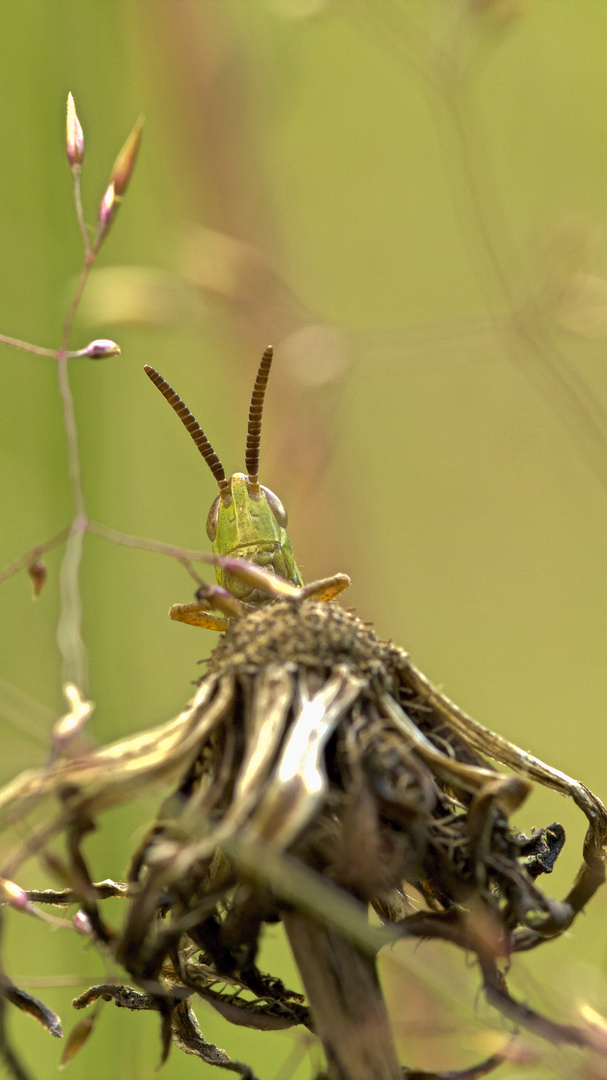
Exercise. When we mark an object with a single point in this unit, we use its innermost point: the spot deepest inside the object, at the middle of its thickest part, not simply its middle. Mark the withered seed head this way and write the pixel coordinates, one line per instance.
(311, 635)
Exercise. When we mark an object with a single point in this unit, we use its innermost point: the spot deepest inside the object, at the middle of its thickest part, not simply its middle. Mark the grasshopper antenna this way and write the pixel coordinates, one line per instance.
(192, 425)
(255, 415)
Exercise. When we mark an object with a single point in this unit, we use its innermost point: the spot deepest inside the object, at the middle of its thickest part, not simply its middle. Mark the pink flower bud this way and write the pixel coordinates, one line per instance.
(100, 348)
(107, 209)
(96, 350)
(14, 895)
(82, 923)
(74, 136)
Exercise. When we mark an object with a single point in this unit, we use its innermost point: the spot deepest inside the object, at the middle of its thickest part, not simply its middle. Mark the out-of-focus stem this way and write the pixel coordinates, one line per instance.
(80, 213)
(348, 1009)
(183, 555)
(69, 636)
(27, 347)
(82, 280)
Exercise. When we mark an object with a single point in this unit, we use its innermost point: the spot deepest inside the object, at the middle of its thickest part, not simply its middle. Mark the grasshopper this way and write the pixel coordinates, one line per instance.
(247, 526)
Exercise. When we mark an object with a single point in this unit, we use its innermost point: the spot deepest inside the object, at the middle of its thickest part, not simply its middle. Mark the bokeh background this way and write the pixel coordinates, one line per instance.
(408, 200)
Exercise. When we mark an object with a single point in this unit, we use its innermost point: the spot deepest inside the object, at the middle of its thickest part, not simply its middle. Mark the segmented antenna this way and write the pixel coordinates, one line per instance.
(192, 425)
(255, 415)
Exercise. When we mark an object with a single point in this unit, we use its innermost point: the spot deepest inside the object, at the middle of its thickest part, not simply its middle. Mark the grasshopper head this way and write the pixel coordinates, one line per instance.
(245, 519)
(245, 501)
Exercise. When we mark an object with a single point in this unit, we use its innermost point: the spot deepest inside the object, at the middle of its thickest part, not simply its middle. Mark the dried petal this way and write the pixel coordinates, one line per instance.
(77, 1038)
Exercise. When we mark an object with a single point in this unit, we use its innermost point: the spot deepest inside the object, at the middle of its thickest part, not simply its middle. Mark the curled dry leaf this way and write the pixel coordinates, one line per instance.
(32, 1006)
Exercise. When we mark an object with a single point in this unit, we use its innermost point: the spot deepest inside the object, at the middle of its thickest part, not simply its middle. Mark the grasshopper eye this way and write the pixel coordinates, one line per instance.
(213, 519)
(275, 506)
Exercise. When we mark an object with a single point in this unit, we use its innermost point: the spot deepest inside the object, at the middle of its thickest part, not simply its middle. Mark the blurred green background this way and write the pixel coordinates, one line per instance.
(408, 200)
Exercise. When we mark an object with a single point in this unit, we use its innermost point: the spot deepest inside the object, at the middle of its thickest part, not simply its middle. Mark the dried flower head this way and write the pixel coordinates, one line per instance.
(316, 770)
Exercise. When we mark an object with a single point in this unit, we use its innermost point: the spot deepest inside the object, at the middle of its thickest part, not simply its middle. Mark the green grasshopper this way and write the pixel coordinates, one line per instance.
(246, 526)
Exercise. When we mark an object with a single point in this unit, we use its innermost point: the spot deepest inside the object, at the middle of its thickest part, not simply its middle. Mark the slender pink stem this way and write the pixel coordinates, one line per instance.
(27, 347)
(184, 556)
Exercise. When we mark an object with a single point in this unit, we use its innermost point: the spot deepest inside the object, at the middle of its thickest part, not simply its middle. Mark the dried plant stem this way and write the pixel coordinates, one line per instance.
(348, 1009)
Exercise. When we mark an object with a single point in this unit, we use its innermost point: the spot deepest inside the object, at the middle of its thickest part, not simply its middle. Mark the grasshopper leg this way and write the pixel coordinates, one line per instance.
(327, 588)
(195, 615)
(209, 596)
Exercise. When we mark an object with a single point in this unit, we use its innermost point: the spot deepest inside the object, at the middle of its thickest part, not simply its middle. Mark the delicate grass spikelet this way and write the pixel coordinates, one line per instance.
(74, 137)
(120, 177)
(125, 162)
